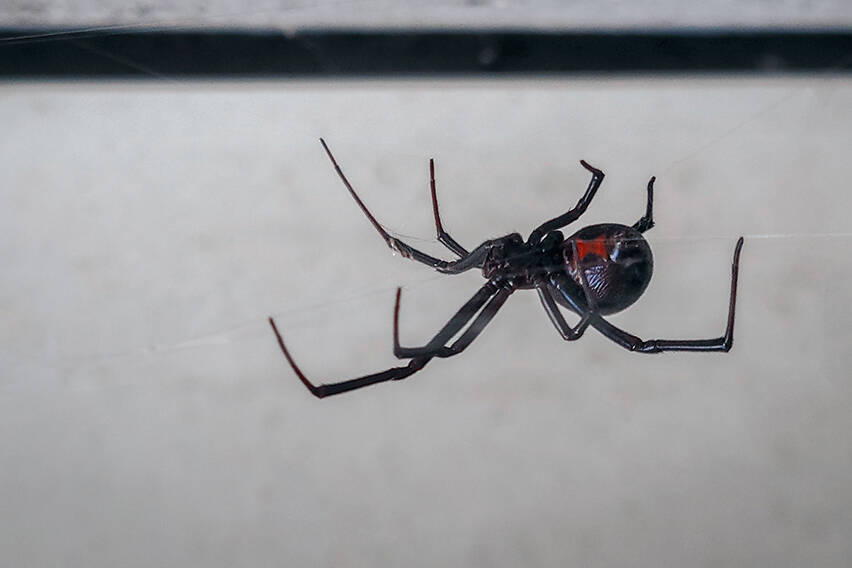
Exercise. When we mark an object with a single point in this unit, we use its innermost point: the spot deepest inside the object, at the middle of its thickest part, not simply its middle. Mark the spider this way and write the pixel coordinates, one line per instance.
(599, 270)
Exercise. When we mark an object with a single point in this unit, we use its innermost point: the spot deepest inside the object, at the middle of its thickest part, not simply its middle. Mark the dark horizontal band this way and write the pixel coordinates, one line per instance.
(224, 54)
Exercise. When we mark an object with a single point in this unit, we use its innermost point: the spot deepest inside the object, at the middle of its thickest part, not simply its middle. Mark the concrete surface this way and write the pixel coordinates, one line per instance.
(534, 14)
(147, 417)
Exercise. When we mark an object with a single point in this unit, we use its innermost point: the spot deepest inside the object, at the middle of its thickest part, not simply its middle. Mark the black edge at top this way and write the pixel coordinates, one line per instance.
(245, 54)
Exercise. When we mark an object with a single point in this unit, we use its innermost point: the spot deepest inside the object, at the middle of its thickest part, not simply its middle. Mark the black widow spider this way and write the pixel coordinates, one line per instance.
(599, 270)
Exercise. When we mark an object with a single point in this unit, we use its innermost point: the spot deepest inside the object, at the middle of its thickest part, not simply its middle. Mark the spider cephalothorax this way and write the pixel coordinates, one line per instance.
(599, 270)
(505, 256)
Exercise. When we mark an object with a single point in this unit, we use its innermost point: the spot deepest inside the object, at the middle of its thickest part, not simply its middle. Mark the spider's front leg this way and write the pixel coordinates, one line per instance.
(417, 362)
(436, 347)
(324, 390)
(443, 237)
(466, 262)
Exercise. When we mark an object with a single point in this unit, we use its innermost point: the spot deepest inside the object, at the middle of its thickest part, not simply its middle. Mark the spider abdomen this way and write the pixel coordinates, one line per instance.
(616, 260)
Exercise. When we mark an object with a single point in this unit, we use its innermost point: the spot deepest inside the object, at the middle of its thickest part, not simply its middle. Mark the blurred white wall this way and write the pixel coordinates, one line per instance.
(539, 14)
(147, 416)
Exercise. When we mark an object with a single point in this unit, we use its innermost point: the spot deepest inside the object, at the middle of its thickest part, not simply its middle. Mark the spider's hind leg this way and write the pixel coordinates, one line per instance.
(573, 214)
(639, 345)
(647, 220)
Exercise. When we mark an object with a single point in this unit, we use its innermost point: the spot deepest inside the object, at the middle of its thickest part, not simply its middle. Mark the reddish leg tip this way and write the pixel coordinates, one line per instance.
(317, 391)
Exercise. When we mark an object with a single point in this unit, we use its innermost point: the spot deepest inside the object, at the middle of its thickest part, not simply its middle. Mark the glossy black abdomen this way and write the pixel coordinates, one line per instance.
(616, 260)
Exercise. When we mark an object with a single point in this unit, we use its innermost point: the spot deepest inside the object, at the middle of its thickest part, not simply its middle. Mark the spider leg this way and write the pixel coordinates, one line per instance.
(587, 313)
(647, 220)
(396, 373)
(321, 391)
(436, 347)
(573, 214)
(394, 243)
(443, 237)
(405, 249)
(723, 343)
(567, 332)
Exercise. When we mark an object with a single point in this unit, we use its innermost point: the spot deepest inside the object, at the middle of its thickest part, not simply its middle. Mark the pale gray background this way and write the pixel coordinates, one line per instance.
(147, 417)
(539, 14)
